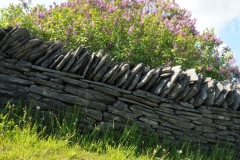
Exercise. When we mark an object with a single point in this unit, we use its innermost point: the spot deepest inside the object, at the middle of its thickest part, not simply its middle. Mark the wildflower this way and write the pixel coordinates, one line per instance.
(24, 3)
(40, 15)
(38, 107)
(130, 31)
(209, 68)
(116, 21)
(179, 151)
(168, 64)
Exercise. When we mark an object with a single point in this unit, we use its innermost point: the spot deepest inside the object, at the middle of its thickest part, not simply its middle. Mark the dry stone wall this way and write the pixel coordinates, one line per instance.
(173, 103)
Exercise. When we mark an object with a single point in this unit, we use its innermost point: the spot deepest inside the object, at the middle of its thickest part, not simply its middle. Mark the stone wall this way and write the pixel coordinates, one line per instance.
(168, 101)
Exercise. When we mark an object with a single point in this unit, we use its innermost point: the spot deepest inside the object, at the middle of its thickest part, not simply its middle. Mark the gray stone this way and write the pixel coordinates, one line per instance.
(32, 43)
(110, 72)
(209, 135)
(200, 97)
(166, 69)
(146, 78)
(121, 106)
(236, 102)
(186, 104)
(36, 74)
(13, 73)
(174, 91)
(13, 67)
(141, 112)
(95, 114)
(11, 79)
(187, 114)
(133, 73)
(148, 121)
(14, 36)
(36, 56)
(122, 68)
(230, 97)
(210, 97)
(146, 109)
(121, 113)
(215, 116)
(56, 62)
(54, 48)
(208, 86)
(46, 83)
(140, 100)
(56, 72)
(78, 64)
(135, 80)
(165, 110)
(14, 87)
(184, 92)
(132, 102)
(123, 78)
(88, 64)
(101, 72)
(74, 56)
(223, 122)
(191, 75)
(7, 36)
(48, 62)
(92, 66)
(144, 94)
(105, 90)
(154, 80)
(159, 87)
(68, 98)
(194, 88)
(177, 107)
(99, 65)
(115, 118)
(236, 120)
(97, 105)
(205, 129)
(64, 61)
(55, 80)
(90, 94)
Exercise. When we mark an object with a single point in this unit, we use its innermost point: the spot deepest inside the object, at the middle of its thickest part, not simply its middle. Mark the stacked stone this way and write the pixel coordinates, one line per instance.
(166, 100)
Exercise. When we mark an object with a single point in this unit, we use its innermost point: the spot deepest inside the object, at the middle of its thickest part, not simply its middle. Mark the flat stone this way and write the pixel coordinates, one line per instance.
(177, 107)
(144, 94)
(185, 90)
(56, 72)
(92, 66)
(64, 61)
(148, 121)
(177, 87)
(127, 115)
(56, 62)
(30, 44)
(14, 87)
(179, 123)
(132, 102)
(7, 36)
(230, 97)
(186, 104)
(146, 109)
(145, 78)
(200, 97)
(13, 67)
(194, 88)
(78, 64)
(24, 63)
(107, 86)
(110, 72)
(166, 69)
(187, 113)
(13, 73)
(191, 75)
(55, 47)
(122, 68)
(68, 98)
(34, 57)
(159, 87)
(88, 64)
(141, 112)
(55, 80)
(49, 61)
(11, 79)
(166, 110)
(105, 90)
(165, 74)
(210, 98)
(97, 106)
(140, 100)
(102, 71)
(133, 73)
(14, 36)
(121, 106)
(215, 116)
(90, 94)
(100, 64)
(135, 80)
(116, 118)
(223, 122)
(36, 74)
(218, 89)
(205, 129)
(46, 83)
(208, 86)
(123, 78)
(154, 80)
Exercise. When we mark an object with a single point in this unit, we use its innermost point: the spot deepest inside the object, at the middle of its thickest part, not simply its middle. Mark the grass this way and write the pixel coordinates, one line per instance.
(28, 133)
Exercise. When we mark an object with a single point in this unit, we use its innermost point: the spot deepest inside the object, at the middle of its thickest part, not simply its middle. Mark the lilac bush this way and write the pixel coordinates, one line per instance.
(156, 32)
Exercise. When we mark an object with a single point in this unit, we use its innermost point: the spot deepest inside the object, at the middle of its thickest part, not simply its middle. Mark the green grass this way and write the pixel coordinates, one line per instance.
(33, 134)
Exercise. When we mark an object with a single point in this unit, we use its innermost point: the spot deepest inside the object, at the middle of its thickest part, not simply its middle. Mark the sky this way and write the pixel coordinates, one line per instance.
(222, 15)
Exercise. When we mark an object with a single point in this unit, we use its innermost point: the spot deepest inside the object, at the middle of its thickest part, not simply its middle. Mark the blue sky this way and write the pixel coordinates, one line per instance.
(222, 15)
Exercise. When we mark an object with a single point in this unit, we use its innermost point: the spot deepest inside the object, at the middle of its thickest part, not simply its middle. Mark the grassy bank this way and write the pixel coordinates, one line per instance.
(29, 133)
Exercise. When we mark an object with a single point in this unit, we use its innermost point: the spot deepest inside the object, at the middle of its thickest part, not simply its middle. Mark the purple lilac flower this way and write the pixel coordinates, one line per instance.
(24, 3)
(40, 15)
(130, 31)
(168, 64)
(209, 68)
